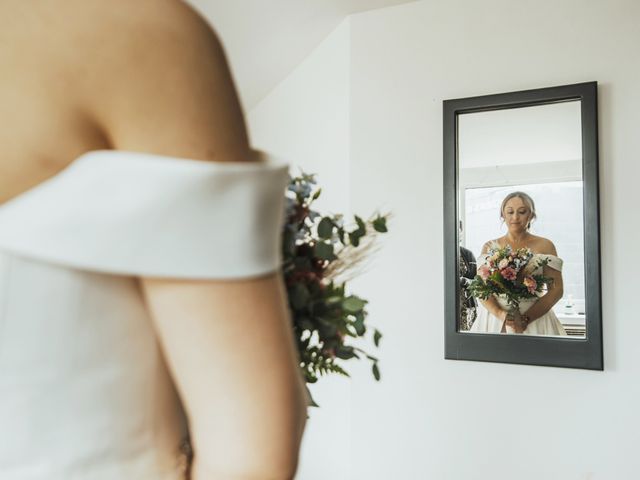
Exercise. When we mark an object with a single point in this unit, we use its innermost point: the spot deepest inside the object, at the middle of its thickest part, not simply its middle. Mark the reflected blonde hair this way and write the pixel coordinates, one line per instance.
(526, 198)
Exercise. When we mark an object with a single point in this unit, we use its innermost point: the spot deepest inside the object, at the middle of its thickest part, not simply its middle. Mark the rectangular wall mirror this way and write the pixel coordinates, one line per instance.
(521, 228)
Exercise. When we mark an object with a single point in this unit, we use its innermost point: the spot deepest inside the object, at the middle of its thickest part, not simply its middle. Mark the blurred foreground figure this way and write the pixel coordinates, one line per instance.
(144, 326)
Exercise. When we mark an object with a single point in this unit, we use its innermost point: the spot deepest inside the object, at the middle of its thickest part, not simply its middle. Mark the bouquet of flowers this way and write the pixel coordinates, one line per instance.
(504, 274)
(320, 254)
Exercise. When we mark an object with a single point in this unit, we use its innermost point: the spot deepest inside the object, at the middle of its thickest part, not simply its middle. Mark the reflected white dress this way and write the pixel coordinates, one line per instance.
(547, 324)
(84, 390)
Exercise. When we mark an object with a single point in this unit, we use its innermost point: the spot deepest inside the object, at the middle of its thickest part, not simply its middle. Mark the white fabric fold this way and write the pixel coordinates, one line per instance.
(554, 261)
(143, 214)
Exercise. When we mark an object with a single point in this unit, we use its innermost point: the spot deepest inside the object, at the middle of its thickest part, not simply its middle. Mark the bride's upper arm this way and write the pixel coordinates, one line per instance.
(162, 83)
(163, 86)
(547, 247)
(230, 347)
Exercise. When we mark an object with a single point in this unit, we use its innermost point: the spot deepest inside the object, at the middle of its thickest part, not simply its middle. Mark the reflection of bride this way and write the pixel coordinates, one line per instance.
(536, 316)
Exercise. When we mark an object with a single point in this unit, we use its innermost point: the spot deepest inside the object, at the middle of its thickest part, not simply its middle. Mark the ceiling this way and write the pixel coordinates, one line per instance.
(266, 40)
(520, 136)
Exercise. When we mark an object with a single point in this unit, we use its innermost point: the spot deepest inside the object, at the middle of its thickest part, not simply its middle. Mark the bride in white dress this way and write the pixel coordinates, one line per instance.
(535, 315)
(141, 299)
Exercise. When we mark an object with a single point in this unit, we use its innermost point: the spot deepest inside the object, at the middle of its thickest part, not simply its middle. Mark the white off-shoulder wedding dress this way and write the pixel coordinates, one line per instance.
(84, 390)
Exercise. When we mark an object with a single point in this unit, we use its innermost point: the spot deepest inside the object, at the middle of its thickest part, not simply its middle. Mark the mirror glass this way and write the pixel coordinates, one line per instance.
(520, 208)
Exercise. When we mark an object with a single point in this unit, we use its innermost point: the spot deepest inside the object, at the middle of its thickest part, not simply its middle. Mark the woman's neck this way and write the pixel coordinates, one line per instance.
(517, 238)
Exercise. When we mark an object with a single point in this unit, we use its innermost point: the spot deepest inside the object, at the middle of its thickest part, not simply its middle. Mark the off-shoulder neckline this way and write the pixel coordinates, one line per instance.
(260, 159)
(124, 213)
(541, 254)
(264, 162)
(547, 255)
(534, 253)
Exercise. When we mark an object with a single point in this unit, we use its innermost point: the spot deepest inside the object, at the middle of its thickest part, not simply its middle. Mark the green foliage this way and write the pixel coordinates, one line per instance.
(324, 316)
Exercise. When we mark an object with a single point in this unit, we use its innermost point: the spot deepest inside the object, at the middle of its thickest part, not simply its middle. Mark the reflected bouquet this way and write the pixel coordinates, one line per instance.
(504, 274)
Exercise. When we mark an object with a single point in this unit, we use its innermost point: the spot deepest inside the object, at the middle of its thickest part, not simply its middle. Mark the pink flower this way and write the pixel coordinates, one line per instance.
(508, 273)
(530, 283)
(484, 271)
(504, 263)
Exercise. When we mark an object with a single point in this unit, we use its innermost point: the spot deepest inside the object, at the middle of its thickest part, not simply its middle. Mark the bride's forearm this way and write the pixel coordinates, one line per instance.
(544, 305)
(494, 308)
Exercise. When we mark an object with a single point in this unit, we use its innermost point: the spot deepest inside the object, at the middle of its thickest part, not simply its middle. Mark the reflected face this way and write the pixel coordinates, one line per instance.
(516, 214)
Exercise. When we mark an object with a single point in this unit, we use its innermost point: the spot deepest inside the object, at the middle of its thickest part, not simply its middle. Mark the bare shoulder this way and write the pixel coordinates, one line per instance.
(159, 80)
(489, 245)
(147, 15)
(127, 39)
(99, 29)
(544, 245)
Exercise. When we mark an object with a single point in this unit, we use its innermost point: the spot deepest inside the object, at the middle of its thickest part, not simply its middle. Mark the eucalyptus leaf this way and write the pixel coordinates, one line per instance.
(327, 331)
(376, 337)
(306, 323)
(362, 228)
(325, 228)
(354, 238)
(376, 371)
(353, 304)
(324, 251)
(345, 353)
(299, 295)
(359, 326)
(332, 300)
(380, 224)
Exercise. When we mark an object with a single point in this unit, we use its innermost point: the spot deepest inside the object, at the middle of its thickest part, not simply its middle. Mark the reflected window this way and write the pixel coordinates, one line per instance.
(559, 207)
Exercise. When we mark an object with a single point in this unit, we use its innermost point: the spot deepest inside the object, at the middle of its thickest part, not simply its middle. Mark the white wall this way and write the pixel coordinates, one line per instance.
(439, 419)
(306, 121)
(470, 420)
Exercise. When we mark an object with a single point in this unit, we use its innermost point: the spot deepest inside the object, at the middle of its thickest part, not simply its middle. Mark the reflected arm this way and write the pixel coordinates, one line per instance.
(553, 295)
(555, 289)
(492, 305)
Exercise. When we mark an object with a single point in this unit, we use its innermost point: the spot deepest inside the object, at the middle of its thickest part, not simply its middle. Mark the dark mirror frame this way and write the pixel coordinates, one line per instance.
(526, 349)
